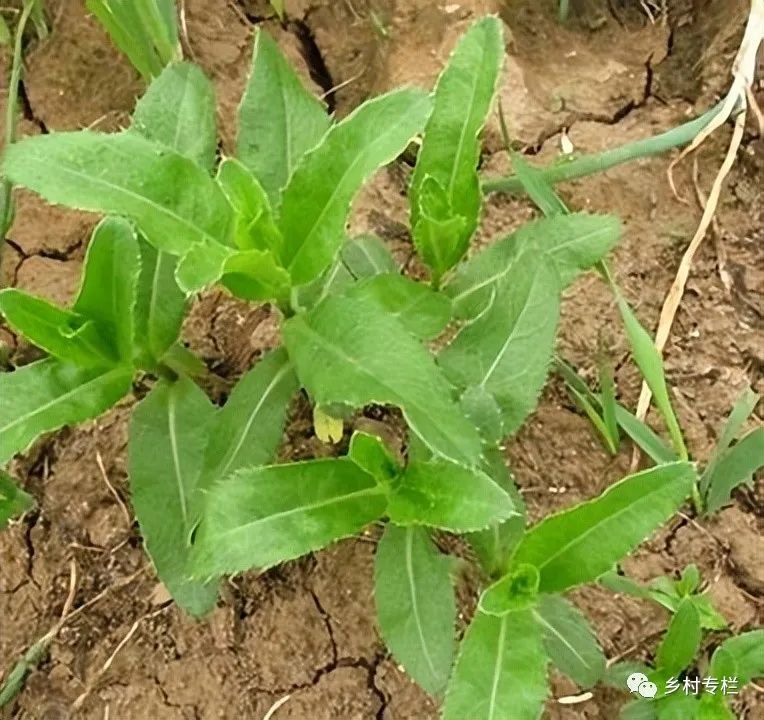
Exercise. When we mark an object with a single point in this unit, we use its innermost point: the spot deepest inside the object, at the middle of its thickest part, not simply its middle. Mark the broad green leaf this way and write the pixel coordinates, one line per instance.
(347, 351)
(255, 228)
(160, 305)
(500, 672)
(714, 707)
(415, 603)
(373, 456)
(450, 149)
(638, 710)
(650, 364)
(421, 311)
(447, 496)
(178, 111)
(255, 275)
(682, 639)
(569, 640)
(677, 706)
(517, 590)
(279, 120)
(741, 657)
(316, 201)
(174, 202)
(262, 516)
(203, 265)
(109, 286)
(581, 544)
(249, 427)
(66, 335)
(572, 243)
(735, 467)
(617, 674)
(168, 433)
(508, 349)
(740, 413)
(360, 257)
(14, 501)
(494, 546)
(484, 412)
(49, 394)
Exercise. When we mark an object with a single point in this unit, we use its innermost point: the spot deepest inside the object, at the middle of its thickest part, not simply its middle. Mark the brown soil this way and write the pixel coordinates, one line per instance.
(306, 630)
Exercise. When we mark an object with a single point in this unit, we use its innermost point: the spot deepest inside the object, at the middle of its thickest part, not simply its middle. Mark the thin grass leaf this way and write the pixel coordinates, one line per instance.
(650, 364)
(741, 411)
(735, 467)
(537, 188)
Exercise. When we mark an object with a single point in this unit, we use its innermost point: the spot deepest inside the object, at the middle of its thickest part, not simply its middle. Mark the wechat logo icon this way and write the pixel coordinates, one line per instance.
(640, 684)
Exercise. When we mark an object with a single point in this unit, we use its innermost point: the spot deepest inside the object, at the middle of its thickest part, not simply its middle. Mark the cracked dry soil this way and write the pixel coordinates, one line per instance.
(306, 630)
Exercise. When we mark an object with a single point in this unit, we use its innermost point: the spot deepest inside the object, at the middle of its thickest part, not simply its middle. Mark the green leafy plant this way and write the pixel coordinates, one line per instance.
(688, 685)
(269, 225)
(145, 30)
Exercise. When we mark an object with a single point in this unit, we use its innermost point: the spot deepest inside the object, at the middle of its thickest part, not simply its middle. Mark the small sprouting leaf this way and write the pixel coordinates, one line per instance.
(494, 546)
(262, 516)
(329, 429)
(346, 350)
(255, 227)
(160, 305)
(13, 500)
(623, 585)
(255, 275)
(740, 657)
(248, 429)
(735, 467)
(415, 603)
(64, 334)
(581, 544)
(168, 433)
(178, 111)
(439, 235)
(316, 201)
(508, 349)
(360, 257)
(713, 707)
(279, 120)
(650, 364)
(569, 640)
(49, 394)
(423, 312)
(373, 456)
(278, 7)
(677, 706)
(447, 496)
(172, 200)
(517, 590)
(572, 243)
(109, 286)
(500, 671)
(450, 149)
(682, 639)
(202, 265)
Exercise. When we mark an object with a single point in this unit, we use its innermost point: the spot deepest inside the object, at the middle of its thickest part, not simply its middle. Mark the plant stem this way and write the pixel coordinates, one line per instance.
(601, 161)
(11, 111)
(563, 10)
